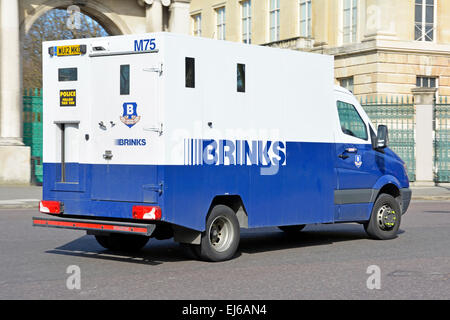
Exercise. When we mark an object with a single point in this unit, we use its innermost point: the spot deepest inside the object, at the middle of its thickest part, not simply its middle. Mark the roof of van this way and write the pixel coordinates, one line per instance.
(342, 89)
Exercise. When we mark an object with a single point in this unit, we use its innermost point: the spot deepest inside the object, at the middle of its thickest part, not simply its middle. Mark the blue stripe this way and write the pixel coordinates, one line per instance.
(300, 192)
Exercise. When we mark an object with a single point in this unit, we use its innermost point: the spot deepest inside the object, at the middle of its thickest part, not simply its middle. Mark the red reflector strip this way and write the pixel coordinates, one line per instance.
(147, 212)
(89, 226)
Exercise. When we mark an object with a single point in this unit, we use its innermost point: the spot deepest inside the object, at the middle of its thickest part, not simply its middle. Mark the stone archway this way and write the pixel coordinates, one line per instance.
(60, 20)
(110, 20)
(16, 18)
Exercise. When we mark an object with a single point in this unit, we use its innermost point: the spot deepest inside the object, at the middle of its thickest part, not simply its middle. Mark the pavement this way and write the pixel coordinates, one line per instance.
(22, 197)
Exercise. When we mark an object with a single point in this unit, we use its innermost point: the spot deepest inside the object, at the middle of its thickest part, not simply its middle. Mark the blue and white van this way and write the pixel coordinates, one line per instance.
(163, 135)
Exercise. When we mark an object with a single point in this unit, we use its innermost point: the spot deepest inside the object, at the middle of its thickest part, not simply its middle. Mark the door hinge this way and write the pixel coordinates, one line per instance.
(158, 69)
(158, 129)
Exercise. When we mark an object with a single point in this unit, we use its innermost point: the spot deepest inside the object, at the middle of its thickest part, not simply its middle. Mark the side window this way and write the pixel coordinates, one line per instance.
(240, 77)
(125, 79)
(190, 73)
(351, 122)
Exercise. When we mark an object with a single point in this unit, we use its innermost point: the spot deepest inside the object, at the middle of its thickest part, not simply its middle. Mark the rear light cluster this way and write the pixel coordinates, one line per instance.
(54, 207)
(139, 212)
(147, 212)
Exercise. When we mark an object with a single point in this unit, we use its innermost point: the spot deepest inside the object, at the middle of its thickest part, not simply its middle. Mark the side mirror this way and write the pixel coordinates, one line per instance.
(382, 137)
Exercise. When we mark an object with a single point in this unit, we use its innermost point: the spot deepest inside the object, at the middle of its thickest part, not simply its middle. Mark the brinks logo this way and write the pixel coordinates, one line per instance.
(269, 155)
(130, 142)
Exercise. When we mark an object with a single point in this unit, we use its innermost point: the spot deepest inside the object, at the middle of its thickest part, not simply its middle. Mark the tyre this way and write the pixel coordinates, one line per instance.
(385, 218)
(122, 242)
(292, 229)
(221, 238)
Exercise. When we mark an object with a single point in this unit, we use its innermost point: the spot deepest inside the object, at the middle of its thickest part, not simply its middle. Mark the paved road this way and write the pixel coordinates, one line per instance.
(322, 262)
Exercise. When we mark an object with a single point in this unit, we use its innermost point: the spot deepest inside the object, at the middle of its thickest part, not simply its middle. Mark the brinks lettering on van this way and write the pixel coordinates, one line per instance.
(145, 45)
(238, 152)
(131, 142)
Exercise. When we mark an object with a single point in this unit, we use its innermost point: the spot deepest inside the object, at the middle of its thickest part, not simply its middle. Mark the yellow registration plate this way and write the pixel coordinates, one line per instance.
(68, 50)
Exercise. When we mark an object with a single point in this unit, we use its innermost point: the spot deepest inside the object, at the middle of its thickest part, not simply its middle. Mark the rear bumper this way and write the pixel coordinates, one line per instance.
(406, 195)
(94, 226)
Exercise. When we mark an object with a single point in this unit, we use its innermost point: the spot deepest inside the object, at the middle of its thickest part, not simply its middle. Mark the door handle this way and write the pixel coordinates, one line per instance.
(347, 150)
(351, 150)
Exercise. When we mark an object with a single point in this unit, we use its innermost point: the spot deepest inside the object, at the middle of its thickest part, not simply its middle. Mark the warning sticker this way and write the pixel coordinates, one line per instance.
(68, 98)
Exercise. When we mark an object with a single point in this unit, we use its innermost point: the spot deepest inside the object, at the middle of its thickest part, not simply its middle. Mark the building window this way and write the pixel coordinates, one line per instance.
(197, 19)
(305, 19)
(426, 82)
(220, 23)
(347, 83)
(350, 20)
(274, 20)
(424, 20)
(247, 21)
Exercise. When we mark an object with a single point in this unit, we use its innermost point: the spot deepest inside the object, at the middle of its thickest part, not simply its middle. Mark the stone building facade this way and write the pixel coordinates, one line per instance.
(381, 47)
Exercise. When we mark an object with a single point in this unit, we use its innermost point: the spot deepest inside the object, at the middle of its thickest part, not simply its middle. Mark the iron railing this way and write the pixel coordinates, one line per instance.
(398, 114)
(442, 139)
(32, 130)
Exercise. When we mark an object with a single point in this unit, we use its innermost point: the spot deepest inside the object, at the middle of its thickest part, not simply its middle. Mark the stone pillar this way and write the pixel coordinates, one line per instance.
(14, 156)
(179, 17)
(154, 16)
(424, 103)
(378, 19)
(10, 100)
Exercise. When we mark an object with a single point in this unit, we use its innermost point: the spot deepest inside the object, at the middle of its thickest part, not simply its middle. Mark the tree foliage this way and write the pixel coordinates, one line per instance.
(52, 26)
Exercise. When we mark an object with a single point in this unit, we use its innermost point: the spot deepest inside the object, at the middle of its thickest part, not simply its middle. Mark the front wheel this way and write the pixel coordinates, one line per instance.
(221, 238)
(385, 218)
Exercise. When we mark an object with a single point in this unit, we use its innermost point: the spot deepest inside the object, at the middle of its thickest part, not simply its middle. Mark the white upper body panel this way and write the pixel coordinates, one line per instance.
(289, 97)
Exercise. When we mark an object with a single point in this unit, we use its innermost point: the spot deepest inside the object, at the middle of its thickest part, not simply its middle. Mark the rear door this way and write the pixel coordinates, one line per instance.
(125, 127)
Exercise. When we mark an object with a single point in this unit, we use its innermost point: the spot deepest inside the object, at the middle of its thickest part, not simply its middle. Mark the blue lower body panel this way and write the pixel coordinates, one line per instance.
(300, 191)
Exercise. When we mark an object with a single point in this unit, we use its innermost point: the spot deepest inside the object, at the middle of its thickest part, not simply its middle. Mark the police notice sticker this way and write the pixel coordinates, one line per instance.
(68, 98)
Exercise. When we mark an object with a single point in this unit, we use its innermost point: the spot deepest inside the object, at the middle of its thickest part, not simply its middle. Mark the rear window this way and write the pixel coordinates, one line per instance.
(68, 74)
(125, 79)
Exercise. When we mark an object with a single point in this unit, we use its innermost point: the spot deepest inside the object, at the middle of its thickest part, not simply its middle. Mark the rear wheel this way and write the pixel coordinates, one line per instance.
(122, 242)
(221, 238)
(385, 218)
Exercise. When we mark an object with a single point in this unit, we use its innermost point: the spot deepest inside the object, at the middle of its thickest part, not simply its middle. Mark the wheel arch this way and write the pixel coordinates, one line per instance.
(390, 189)
(393, 190)
(235, 203)
(389, 184)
